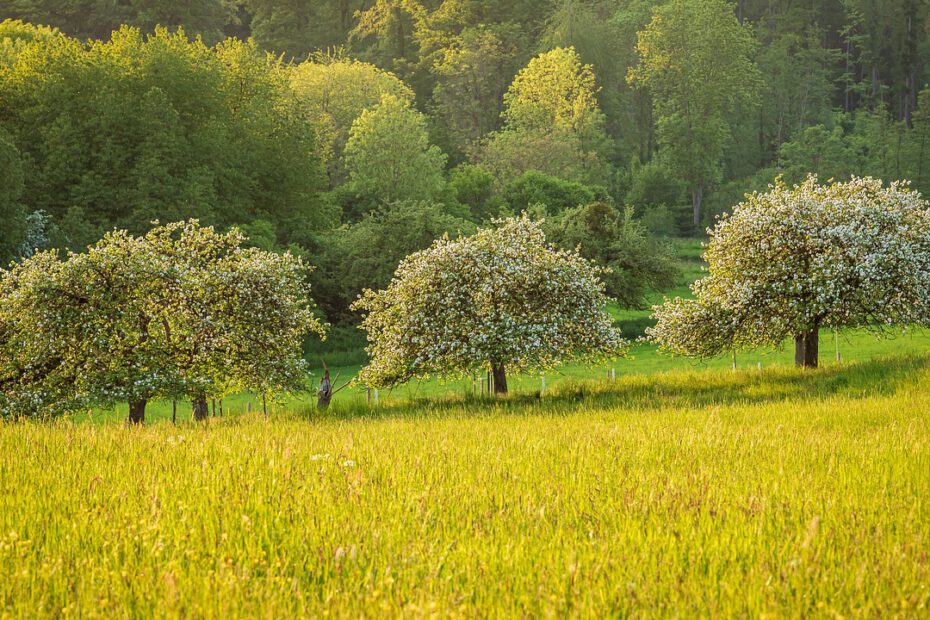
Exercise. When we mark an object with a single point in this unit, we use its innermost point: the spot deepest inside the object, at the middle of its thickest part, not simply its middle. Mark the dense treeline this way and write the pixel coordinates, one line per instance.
(357, 131)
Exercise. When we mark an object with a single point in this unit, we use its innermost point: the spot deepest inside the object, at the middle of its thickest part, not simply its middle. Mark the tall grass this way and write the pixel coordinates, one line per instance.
(694, 493)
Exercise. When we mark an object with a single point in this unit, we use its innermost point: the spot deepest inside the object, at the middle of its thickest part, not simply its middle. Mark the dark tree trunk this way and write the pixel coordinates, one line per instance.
(500, 378)
(136, 411)
(201, 411)
(806, 348)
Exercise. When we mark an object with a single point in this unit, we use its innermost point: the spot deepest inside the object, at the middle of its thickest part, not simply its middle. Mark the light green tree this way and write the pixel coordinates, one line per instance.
(389, 154)
(553, 123)
(556, 91)
(696, 62)
(331, 92)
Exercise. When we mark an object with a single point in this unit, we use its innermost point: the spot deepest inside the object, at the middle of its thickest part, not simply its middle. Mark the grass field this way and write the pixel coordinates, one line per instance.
(690, 493)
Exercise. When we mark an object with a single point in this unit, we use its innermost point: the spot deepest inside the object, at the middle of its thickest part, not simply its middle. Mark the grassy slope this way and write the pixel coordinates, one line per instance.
(679, 494)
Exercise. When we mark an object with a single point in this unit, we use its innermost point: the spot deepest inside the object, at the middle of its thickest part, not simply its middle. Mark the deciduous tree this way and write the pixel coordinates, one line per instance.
(331, 92)
(793, 260)
(182, 310)
(501, 300)
(696, 62)
(389, 154)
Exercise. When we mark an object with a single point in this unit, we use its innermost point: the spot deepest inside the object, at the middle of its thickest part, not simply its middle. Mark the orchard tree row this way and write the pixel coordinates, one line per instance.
(184, 311)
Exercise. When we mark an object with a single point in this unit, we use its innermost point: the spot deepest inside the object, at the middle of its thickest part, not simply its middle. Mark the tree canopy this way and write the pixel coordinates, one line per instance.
(796, 259)
(180, 311)
(500, 300)
(159, 127)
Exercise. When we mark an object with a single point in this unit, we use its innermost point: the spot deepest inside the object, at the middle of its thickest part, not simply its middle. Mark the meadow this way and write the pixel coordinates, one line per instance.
(689, 493)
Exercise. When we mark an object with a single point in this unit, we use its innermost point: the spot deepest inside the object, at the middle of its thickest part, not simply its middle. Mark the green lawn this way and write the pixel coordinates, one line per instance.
(642, 360)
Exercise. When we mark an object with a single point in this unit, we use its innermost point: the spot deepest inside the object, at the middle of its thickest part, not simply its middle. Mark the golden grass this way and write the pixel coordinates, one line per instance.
(685, 494)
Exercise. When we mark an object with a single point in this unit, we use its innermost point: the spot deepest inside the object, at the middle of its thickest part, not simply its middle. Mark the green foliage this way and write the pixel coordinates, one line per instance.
(695, 60)
(136, 129)
(818, 150)
(501, 299)
(553, 195)
(389, 155)
(638, 265)
(331, 92)
(553, 123)
(12, 216)
(475, 188)
(653, 185)
(365, 254)
(473, 72)
(511, 153)
(555, 90)
(716, 90)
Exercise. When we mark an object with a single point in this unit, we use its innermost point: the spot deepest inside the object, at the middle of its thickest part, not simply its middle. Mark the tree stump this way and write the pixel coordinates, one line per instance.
(325, 394)
(199, 406)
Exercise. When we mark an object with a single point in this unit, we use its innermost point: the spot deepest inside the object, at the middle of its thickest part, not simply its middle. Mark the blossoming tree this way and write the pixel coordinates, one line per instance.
(182, 310)
(502, 299)
(238, 315)
(792, 260)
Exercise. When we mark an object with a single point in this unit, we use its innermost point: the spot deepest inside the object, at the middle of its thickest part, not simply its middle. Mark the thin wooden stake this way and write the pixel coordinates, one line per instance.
(734, 359)
(221, 407)
(248, 407)
(836, 343)
(542, 390)
(174, 412)
(264, 405)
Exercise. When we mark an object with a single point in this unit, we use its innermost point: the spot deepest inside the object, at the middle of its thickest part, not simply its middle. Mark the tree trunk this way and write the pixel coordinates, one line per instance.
(806, 348)
(500, 378)
(136, 411)
(201, 412)
(697, 197)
